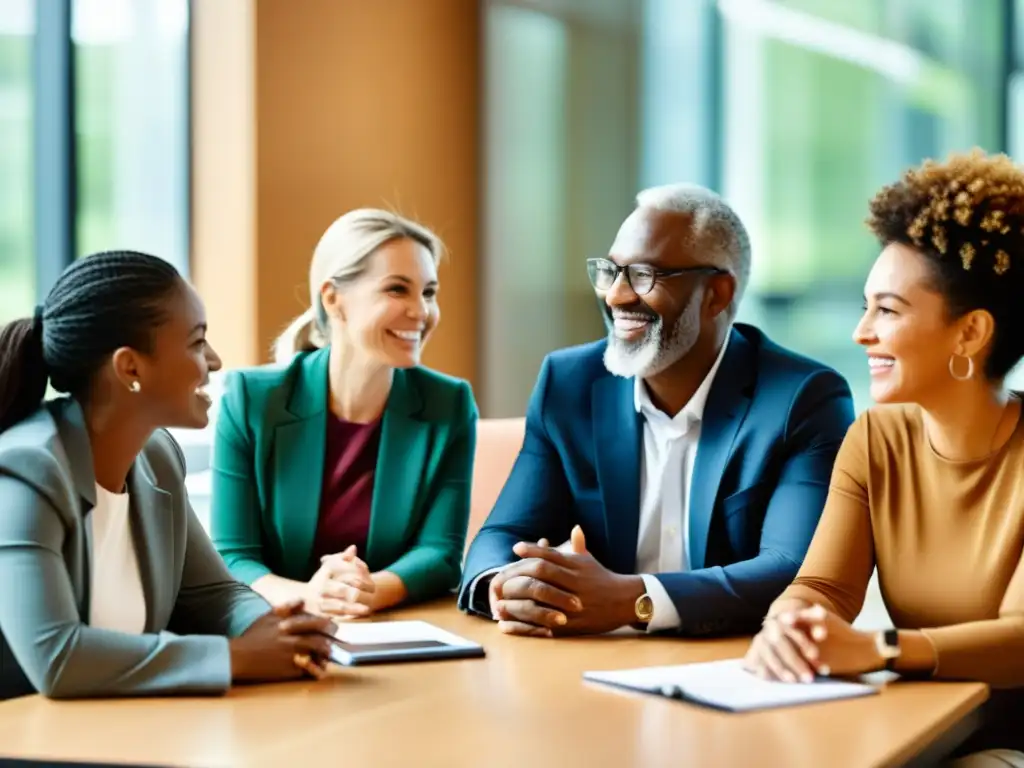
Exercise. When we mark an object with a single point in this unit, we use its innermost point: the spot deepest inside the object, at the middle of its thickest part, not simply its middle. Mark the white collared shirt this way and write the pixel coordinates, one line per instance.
(116, 599)
(666, 471)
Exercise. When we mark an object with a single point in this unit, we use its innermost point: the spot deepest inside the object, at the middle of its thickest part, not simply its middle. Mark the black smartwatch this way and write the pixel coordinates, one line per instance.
(888, 645)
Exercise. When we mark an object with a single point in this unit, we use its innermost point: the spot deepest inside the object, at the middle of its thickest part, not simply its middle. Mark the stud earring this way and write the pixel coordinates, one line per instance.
(135, 387)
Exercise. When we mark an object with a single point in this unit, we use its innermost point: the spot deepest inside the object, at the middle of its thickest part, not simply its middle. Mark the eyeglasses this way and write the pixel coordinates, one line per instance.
(641, 277)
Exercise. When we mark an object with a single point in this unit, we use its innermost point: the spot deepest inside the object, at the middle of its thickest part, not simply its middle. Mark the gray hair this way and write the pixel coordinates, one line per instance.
(717, 226)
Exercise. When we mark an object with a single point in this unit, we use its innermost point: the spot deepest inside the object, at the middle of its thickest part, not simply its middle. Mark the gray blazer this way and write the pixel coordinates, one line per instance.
(47, 488)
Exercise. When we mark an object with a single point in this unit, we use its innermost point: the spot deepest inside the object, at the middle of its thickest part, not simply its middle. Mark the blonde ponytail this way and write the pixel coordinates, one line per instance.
(302, 335)
(340, 257)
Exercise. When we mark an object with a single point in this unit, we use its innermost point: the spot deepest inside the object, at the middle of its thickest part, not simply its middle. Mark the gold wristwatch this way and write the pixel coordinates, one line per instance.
(644, 610)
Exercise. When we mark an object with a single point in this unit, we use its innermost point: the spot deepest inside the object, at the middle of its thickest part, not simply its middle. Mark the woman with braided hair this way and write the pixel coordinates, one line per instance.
(108, 584)
(926, 486)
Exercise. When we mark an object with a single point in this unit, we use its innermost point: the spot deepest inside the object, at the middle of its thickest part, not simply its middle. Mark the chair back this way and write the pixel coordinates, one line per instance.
(497, 445)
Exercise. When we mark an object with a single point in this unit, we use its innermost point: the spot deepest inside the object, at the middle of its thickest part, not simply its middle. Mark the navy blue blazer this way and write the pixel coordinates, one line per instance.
(772, 426)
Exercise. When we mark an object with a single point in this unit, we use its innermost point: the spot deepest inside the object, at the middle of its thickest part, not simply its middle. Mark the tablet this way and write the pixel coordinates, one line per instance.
(394, 641)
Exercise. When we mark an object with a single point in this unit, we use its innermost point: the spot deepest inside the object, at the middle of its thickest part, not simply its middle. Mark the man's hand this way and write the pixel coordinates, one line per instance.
(550, 592)
(494, 587)
(342, 586)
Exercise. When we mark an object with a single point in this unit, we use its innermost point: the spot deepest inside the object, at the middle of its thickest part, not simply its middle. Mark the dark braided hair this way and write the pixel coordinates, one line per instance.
(99, 304)
(966, 216)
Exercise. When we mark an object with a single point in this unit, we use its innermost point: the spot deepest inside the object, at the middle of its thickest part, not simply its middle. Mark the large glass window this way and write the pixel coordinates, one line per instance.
(795, 110)
(823, 103)
(17, 265)
(131, 91)
(561, 137)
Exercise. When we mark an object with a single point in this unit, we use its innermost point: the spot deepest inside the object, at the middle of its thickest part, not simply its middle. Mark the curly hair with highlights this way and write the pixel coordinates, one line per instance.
(966, 217)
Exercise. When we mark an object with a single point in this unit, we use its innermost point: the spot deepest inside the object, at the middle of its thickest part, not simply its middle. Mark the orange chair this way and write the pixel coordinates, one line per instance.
(497, 444)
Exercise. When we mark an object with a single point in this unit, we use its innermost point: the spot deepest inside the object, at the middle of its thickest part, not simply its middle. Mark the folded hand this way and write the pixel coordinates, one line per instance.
(343, 586)
(282, 645)
(552, 592)
(797, 644)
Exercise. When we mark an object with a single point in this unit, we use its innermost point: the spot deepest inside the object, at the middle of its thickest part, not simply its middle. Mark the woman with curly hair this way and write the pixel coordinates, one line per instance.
(926, 486)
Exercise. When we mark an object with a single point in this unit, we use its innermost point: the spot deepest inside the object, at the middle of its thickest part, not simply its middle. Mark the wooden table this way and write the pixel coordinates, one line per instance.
(525, 705)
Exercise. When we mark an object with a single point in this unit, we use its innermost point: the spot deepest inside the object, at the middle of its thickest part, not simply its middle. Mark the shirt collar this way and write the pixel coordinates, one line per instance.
(692, 412)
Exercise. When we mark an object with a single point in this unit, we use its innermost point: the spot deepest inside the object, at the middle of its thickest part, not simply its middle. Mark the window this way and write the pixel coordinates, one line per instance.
(17, 266)
(823, 103)
(132, 128)
(797, 111)
(127, 115)
(560, 142)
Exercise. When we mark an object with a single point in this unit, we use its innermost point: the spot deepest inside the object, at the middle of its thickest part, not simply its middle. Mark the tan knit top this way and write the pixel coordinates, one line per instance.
(946, 536)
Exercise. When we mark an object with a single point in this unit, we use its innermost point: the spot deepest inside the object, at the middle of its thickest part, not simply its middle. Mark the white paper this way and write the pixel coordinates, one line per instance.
(728, 685)
(397, 632)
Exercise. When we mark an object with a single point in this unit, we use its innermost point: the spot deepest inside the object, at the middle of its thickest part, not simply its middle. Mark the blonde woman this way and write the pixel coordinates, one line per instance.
(342, 475)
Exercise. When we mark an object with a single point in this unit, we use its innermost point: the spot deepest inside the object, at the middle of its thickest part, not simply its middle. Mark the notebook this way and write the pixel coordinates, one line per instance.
(393, 641)
(24, 763)
(726, 685)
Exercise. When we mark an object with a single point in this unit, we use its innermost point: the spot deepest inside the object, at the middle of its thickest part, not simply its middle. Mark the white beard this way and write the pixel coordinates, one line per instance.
(656, 351)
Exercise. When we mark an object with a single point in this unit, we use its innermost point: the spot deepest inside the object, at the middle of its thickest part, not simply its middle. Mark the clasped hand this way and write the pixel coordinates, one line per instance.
(282, 645)
(550, 591)
(802, 641)
(342, 586)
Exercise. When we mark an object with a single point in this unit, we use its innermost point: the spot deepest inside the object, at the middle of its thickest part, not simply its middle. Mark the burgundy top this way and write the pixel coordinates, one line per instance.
(346, 495)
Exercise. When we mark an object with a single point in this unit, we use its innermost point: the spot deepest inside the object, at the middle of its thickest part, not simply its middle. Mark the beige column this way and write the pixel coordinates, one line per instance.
(303, 110)
(224, 256)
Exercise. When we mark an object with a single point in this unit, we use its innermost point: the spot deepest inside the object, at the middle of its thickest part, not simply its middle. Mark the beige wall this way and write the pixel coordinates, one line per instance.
(303, 110)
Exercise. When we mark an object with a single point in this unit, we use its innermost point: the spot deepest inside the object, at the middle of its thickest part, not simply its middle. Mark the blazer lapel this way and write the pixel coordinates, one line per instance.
(726, 407)
(300, 442)
(150, 519)
(70, 420)
(404, 442)
(617, 452)
(152, 529)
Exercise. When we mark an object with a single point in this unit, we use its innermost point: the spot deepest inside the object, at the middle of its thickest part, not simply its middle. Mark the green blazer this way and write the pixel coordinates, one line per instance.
(268, 467)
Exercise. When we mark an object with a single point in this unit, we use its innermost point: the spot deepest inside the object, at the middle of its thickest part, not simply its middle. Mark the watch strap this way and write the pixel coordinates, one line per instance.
(891, 640)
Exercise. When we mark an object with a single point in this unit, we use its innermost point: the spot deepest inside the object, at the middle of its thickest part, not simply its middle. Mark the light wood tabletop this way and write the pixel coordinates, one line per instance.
(524, 705)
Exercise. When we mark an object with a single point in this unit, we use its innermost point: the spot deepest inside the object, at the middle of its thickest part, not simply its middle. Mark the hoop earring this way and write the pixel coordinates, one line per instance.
(970, 368)
(135, 387)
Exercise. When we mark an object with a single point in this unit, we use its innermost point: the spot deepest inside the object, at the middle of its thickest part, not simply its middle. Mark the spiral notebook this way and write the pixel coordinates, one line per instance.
(393, 641)
(727, 686)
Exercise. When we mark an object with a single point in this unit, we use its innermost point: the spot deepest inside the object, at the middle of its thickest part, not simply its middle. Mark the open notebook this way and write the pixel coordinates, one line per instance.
(392, 641)
(726, 685)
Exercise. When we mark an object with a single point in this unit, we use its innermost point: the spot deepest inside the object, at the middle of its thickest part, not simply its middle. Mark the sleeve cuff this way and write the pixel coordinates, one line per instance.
(927, 634)
(250, 608)
(479, 602)
(248, 571)
(665, 614)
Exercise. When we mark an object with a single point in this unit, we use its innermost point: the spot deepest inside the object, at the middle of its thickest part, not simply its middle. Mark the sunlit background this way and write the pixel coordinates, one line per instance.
(130, 133)
(795, 110)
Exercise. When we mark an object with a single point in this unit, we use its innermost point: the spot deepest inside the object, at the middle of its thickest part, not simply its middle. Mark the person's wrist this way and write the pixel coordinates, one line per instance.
(310, 593)
(630, 588)
(874, 660)
(239, 666)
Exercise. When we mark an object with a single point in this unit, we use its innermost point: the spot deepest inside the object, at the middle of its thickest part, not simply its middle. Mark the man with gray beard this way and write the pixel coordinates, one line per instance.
(684, 461)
